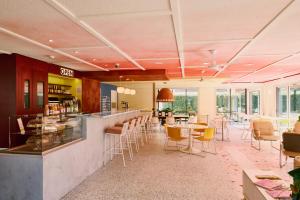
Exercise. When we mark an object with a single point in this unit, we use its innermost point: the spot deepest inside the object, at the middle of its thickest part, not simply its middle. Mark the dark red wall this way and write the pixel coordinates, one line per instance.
(7, 95)
(90, 95)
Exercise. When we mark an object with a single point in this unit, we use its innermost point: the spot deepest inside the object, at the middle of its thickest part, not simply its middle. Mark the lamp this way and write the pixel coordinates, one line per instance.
(127, 91)
(165, 95)
(120, 89)
(132, 92)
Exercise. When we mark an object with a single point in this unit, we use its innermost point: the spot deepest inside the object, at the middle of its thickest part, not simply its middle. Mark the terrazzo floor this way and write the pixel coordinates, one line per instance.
(158, 174)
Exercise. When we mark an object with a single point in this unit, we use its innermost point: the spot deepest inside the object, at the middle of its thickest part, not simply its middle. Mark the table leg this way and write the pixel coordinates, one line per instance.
(190, 149)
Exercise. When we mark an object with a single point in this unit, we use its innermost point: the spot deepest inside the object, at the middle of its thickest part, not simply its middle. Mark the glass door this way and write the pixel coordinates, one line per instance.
(254, 98)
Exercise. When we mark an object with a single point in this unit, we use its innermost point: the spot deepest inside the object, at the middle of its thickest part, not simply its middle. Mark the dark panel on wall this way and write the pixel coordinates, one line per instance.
(90, 95)
(34, 71)
(7, 95)
(106, 96)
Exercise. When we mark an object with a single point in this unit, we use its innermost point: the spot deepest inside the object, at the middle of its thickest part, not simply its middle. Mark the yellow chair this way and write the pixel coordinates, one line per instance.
(208, 136)
(199, 130)
(173, 134)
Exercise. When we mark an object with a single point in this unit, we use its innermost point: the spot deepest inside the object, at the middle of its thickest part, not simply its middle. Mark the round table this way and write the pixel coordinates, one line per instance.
(190, 149)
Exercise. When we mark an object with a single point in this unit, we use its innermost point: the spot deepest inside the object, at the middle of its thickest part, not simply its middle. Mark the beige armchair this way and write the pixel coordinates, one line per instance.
(263, 129)
(297, 127)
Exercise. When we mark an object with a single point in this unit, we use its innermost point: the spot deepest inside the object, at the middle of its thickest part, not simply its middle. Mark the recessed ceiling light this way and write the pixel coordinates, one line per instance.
(94, 59)
(127, 79)
(50, 40)
(76, 52)
(105, 65)
(206, 63)
(158, 63)
(51, 56)
(249, 64)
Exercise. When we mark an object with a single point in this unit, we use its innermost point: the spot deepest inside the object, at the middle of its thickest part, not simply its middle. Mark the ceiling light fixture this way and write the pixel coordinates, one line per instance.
(158, 63)
(165, 95)
(127, 91)
(132, 92)
(76, 52)
(50, 40)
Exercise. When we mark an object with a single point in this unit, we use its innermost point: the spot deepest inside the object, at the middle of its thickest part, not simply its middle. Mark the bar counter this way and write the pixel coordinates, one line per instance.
(54, 173)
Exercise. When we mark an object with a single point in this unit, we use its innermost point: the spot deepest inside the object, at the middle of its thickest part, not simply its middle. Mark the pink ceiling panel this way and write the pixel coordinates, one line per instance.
(38, 21)
(101, 56)
(199, 72)
(160, 64)
(222, 20)
(252, 63)
(140, 36)
(108, 7)
(197, 54)
(231, 74)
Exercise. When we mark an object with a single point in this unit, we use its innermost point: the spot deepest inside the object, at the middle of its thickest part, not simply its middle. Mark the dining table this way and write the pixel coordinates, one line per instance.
(190, 149)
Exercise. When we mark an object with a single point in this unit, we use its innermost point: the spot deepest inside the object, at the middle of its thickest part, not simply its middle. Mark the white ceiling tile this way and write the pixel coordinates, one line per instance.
(108, 7)
(226, 19)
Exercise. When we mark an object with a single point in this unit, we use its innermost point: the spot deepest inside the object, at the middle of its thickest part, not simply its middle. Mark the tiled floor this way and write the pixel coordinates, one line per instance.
(158, 174)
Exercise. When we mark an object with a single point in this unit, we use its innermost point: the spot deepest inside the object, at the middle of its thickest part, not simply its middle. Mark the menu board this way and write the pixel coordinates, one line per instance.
(105, 104)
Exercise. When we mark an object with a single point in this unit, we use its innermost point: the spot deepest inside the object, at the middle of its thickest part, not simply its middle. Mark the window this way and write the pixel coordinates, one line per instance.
(281, 101)
(294, 101)
(223, 100)
(254, 102)
(40, 94)
(238, 101)
(185, 101)
(26, 94)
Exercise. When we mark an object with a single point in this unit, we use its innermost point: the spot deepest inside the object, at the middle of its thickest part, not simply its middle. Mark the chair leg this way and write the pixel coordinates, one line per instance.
(136, 141)
(129, 148)
(122, 151)
(105, 150)
(281, 164)
(274, 146)
(112, 145)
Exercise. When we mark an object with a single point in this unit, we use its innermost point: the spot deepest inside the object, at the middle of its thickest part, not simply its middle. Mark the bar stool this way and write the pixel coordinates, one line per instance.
(143, 128)
(137, 130)
(149, 125)
(132, 135)
(120, 133)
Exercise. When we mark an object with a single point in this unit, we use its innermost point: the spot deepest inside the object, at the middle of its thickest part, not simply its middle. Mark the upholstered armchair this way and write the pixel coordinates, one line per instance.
(289, 147)
(263, 130)
(297, 127)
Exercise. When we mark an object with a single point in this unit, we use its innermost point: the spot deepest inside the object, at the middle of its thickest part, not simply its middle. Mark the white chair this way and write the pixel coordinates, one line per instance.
(117, 147)
(149, 125)
(133, 138)
(143, 128)
(137, 130)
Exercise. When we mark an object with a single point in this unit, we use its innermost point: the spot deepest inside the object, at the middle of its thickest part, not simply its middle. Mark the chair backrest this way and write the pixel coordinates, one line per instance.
(170, 114)
(263, 127)
(170, 120)
(173, 132)
(297, 127)
(150, 118)
(155, 120)
(291, 142)
(132, 124)
(209, 133)
(125, 128)
(192, 119)
(138, 121)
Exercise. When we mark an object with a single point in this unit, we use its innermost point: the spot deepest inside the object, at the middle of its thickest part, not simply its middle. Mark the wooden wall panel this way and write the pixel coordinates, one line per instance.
(7, 95)
(90, 95)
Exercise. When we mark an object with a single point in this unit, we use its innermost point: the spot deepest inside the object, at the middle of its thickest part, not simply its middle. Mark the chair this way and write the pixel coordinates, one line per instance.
(155, 122)
(173, 134)
(297, 127)
(132, 135)
(143, 128)
(289, 147)
(208, 137)
(170, 120)
(263, 130)
(121, 134)
(199, 130)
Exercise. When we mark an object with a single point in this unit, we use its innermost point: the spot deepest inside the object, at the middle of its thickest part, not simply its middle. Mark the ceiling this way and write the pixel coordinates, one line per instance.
(255, 40)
